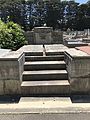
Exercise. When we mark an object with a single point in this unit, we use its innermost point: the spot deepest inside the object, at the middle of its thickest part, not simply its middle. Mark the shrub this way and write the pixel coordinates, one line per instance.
(11, 36)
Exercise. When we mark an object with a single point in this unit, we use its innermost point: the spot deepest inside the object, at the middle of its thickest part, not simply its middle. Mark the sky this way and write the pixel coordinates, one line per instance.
(81, 1)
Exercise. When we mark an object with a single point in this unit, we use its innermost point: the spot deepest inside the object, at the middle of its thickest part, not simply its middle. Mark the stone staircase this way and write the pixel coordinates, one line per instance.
(45, 76)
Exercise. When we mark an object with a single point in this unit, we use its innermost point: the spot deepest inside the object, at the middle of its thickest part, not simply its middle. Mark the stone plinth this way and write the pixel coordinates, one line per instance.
(43, 35)
(78, 67)
(11, 68)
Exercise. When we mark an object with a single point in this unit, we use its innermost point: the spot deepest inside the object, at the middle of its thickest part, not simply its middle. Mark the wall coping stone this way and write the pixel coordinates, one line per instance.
(74, 53)
(14, 55)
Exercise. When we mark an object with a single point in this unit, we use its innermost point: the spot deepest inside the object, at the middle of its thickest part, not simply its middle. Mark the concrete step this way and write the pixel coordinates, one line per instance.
(33, 53)
(39, 101)
(53, 87)
(43, 58)
(45, 65)
(50, 53)
(45, 75)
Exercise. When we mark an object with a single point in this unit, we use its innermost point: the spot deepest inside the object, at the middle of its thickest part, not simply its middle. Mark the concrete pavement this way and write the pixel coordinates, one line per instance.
(59, 105)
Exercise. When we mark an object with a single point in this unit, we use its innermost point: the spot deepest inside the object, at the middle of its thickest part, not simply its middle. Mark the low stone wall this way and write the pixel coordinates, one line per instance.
(11, 68)
(78, 67)
(57, 37)
(44, 35)
(30, 37)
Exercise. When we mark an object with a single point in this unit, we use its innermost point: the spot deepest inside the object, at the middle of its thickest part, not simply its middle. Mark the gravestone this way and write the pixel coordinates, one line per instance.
(43, 35)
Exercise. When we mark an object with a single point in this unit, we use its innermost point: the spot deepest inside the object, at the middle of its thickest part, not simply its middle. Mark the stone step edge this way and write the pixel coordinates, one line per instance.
(45, 72)
(45, 83)
(44, 63)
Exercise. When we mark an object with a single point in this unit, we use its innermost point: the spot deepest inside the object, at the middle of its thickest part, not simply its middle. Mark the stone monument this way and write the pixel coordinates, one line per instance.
(43, 35)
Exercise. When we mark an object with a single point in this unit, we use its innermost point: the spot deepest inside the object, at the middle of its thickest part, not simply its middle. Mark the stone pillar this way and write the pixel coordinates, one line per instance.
(11, 68)
(78, 68)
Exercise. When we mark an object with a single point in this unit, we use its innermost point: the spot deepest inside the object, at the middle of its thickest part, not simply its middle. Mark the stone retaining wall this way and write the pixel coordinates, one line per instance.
(78, 67)
(11, 68)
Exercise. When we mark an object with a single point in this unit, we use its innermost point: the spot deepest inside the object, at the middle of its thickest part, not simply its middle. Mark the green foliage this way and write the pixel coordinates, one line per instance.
(11, 36)
(5, 3)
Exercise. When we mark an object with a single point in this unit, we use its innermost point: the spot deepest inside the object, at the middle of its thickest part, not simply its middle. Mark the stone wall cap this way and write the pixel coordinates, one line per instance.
(13, 55)
(31, 48)
(42, 29)
(4, 52)
(55, 48)
(77, 53)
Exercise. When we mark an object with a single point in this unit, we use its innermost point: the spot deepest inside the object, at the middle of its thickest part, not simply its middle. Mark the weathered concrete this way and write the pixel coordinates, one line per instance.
(4, 51)
(32, 50)
(55, 49)
(78, 67)
(45, 75)
(30, 36)
(44, 65)
(57, 37)
(48, 88)
(11, 68)
(44, 35)
(54, 116)
(46, 106)
(43, 58)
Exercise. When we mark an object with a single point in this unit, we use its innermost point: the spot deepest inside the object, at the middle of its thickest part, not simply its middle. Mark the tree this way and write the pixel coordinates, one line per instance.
(11, 36)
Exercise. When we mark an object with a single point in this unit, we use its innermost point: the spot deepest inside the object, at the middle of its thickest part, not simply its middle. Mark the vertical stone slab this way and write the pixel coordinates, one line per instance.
(43, 35)
(78, 67)
(11, 68)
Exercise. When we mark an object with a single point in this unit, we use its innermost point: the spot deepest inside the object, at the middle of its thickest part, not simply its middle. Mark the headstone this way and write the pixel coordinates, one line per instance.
(43, 35)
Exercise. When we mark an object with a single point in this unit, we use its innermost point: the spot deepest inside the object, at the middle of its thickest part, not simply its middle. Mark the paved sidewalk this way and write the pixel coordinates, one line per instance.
(46, 105)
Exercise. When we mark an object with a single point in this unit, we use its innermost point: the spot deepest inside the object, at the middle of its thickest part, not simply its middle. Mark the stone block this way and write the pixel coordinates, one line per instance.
(78, 68)
(80, 85)
(12, 87)
(11, 68)
(43, 38)
(43, 35)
